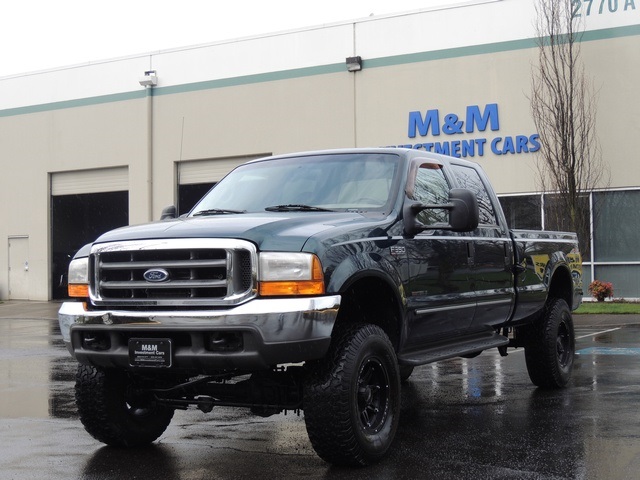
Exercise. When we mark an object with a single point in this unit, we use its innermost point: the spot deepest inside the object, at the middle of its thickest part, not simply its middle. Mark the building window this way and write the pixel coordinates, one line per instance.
(614, 217)
(523, 211)
(616, 221)
(557, 218)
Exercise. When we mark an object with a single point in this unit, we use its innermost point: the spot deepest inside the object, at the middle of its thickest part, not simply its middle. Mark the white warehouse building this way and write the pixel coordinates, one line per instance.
(92, 147)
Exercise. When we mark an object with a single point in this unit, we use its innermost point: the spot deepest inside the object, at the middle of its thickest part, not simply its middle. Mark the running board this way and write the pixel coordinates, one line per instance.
(465, 346)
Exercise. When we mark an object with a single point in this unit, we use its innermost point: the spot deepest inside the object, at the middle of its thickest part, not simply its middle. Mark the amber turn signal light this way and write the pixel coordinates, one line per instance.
(78, 290)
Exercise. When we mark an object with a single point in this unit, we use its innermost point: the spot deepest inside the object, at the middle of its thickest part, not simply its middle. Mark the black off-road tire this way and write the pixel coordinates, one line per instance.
(352, 397)
(113, 412)
(551, 346)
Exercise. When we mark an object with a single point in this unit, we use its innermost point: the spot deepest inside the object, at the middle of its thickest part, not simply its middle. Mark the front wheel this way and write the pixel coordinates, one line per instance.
(352, 397)
(114, 411)
(551, 346)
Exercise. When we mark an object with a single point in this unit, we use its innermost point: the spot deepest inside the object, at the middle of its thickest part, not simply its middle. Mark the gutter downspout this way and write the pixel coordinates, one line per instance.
(149, 81)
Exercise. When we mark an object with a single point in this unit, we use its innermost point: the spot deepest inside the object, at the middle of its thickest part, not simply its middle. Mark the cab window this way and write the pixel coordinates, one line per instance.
(469, 178)
(431, 187)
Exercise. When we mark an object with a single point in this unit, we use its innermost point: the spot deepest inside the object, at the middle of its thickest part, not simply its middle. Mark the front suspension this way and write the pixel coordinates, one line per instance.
(265, 393)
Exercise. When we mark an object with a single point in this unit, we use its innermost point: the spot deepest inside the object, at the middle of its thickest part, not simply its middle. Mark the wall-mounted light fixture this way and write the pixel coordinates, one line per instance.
(150, 79)
(354, 64)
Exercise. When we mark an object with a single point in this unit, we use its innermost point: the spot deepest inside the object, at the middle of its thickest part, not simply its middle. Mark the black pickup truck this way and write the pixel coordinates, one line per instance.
(314, 281)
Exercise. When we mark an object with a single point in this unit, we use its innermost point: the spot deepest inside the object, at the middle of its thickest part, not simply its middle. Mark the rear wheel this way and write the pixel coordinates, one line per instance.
(551, 346)
(352, 397)
(114, 411)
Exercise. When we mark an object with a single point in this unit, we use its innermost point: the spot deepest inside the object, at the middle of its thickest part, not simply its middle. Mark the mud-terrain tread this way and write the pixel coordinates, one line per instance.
(541, 355)
(329, 413)
(100, 398)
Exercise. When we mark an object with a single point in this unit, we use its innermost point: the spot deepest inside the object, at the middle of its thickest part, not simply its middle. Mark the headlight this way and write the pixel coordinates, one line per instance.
(290, 273)
(79, 277)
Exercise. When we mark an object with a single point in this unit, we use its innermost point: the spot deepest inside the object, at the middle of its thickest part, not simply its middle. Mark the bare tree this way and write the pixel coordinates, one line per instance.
(563, 105)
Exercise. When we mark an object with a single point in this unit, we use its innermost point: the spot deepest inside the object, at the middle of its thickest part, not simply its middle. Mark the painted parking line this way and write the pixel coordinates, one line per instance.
(605, 350)
(608, 351)
(589, 350)
(599, 332)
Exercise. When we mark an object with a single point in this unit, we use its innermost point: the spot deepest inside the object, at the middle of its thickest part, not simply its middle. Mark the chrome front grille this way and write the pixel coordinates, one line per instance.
(178, 272)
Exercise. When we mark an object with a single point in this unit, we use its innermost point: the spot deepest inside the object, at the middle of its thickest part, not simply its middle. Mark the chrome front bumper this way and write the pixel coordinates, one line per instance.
(274, 331)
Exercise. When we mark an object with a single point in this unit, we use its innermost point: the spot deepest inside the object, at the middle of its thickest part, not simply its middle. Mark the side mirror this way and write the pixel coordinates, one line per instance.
(463, 213)
(169, 213)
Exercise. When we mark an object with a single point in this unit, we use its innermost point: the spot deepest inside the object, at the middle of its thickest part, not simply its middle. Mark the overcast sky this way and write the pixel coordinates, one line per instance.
(44, 34)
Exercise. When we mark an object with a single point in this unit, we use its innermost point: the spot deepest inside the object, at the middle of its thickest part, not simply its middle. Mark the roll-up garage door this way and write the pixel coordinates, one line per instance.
(208, 171)
(99, 180)
(84, 204)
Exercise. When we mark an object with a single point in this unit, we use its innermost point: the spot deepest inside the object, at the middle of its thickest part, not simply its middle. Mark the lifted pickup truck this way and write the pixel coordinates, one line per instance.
(317, 282)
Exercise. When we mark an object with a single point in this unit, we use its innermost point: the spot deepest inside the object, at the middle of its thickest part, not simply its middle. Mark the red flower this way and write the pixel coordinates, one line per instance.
(601, 290)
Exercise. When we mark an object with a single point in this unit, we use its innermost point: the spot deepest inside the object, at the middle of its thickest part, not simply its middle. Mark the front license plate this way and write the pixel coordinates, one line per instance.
(150, 352)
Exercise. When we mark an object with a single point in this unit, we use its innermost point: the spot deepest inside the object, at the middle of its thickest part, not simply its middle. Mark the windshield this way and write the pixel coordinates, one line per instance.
(332, 182)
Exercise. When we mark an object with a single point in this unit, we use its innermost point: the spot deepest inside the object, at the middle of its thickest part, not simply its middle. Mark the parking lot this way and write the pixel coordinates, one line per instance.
(462, 419)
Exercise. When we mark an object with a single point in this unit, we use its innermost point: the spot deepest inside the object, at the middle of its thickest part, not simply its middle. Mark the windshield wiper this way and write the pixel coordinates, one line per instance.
(293, 207)
(217, 211)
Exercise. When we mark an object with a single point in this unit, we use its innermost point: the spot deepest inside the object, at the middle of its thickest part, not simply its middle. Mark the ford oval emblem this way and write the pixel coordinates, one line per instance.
(156, 275)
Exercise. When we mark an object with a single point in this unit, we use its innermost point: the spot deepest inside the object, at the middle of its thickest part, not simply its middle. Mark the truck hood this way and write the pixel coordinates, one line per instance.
(268, 231)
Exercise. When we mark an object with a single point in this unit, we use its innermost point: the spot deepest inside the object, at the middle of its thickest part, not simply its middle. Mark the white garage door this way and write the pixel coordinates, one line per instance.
(210, 170)
(98, 180)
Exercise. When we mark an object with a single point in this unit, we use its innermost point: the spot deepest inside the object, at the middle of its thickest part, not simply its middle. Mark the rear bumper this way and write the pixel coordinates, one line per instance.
(256, 335)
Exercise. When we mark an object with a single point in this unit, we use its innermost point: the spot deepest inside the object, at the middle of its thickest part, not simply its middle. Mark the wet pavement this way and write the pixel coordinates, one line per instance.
(460, 419)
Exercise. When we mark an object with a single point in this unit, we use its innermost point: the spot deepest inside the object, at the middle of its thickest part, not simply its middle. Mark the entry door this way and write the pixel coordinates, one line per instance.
(19, 268)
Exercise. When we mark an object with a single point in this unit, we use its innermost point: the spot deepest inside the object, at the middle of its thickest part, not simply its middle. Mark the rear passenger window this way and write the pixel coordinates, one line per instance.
(468, 178)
